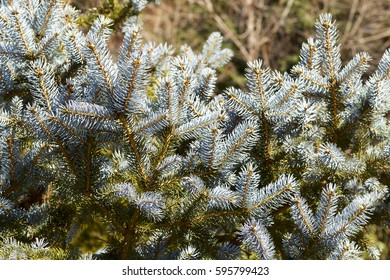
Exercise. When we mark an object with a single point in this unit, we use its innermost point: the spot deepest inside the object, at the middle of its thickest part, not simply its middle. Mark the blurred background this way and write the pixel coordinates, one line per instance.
(268, 29)
(255, 29)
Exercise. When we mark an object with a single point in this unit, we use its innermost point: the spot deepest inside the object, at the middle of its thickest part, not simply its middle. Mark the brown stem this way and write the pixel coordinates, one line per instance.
(88, 167)
(130, 137)
(130, 234)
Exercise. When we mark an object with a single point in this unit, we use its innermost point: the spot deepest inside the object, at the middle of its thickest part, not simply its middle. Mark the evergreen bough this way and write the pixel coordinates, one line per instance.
(143, 153)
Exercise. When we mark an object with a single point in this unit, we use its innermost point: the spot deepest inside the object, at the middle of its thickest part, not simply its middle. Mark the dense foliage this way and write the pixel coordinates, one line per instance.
(144, 160)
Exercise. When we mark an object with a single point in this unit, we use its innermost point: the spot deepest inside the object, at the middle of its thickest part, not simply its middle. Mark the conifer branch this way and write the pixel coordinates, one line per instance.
(214, 132)
(232, 97)
(210, 215)
(104, 71)
(50, 41)
(47, 18)
(136, 64)
(304, 217)
(88, 167)
(4, 18)
(39, 73)
(86, 114)
(293, 89)
(238, 143)
(10, 143)
(145, 147)
(301, 74)
(15, 13)
(72, 38)
(328, 47)
(10, 154)
(287, 188)
(165, 148)
(335, 114)
(133, 145)
(130, 234)
(14, 75)
(245, 188)
(130, 48)
(186, 83)
(67, 156)
(310, 64)
(68, 128)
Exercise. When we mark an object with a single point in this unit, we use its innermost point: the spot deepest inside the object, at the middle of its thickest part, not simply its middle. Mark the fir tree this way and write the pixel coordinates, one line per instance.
(143, 150)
